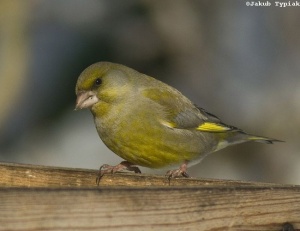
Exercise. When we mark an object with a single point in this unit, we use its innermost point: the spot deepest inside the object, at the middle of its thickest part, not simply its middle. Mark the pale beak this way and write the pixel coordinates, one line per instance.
(86, 99)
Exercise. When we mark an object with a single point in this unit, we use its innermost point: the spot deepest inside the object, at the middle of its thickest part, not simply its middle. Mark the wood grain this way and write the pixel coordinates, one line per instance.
(23, 175)
(176, 208)
(47, 198)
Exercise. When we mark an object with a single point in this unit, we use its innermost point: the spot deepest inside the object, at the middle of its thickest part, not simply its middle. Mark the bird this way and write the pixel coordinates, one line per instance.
(148, 123)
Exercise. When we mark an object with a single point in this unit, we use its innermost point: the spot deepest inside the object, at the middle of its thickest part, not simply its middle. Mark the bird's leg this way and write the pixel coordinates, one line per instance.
(124, 165)
(181, 171)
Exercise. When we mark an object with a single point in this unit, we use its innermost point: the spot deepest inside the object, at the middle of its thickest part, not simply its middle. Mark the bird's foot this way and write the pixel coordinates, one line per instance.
(180, 172)
(124, 165)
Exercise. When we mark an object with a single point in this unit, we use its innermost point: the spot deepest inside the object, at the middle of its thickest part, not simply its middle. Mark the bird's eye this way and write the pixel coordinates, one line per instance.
(98, 82)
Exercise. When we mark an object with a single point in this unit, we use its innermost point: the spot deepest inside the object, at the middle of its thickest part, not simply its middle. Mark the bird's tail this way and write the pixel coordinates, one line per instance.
(262, 139)
(239, 137)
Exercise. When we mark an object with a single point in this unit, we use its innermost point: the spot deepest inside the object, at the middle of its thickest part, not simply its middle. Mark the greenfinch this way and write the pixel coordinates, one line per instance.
(149, 123)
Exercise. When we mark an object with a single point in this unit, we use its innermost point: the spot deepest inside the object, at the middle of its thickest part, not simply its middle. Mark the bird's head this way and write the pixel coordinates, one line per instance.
(102, 82)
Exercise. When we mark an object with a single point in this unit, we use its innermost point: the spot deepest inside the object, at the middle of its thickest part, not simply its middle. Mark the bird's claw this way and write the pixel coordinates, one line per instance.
(124, 165)
(180, 172)
(176, 173)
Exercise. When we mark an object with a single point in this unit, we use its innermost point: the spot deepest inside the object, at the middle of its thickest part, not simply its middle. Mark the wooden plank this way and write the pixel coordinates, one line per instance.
(155, 208)
(23, 175)
(49, 198)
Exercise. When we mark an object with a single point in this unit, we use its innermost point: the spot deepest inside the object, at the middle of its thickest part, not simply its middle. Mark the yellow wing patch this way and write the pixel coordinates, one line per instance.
(204, 127)
(168, 124)
(213, 127)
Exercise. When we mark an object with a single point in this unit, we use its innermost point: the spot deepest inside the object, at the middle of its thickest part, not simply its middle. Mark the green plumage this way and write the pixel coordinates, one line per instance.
(149, 123)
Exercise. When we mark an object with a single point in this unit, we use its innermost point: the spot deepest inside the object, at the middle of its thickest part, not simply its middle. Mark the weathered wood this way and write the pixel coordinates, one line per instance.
(23, 175)
(31, 199)
(167, 208)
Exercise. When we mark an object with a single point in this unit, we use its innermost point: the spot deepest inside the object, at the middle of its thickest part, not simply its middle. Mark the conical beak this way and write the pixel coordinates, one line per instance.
(86, 99)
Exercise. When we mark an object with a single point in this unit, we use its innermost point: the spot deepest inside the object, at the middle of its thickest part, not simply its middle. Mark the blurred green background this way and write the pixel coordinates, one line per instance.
(240, 63)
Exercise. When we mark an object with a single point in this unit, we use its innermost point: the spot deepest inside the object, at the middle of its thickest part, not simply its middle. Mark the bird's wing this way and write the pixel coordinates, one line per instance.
(181, 113)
